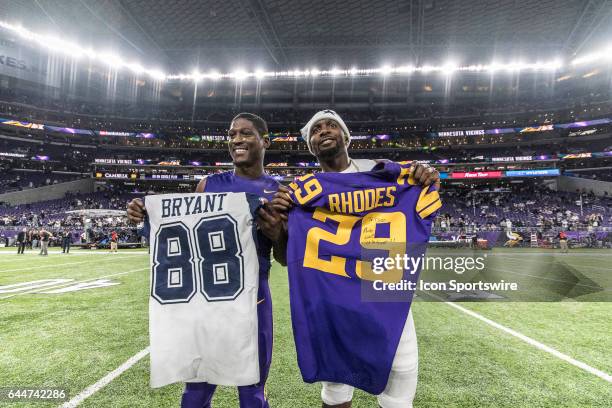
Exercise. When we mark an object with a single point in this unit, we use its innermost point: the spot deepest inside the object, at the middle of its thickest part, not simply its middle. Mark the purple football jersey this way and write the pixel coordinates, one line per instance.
(341, 223)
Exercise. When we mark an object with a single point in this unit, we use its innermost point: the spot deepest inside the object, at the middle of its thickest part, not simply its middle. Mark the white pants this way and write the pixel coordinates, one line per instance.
(402, 383)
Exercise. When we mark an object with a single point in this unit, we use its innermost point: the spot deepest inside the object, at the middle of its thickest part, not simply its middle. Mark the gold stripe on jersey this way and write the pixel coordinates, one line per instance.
(426, 198)
(427, 211)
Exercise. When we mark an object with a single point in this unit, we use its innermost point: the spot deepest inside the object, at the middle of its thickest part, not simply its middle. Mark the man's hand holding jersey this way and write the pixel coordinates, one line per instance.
(270, 222)
(136, 211)
(425, 175)
(282, 201)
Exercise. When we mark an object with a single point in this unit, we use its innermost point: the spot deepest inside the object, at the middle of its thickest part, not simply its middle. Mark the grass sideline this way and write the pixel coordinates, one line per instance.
(73, 339)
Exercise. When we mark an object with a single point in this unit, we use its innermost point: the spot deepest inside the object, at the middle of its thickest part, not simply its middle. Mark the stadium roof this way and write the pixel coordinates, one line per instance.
(181, 35)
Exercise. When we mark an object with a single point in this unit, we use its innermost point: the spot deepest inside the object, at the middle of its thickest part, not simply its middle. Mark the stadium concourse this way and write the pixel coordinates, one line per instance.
(105, 102)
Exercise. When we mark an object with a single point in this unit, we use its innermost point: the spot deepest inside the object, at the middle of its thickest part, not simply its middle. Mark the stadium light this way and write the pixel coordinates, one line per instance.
(214, 75)
(494, 66)
(135, 68)
(111, 59)
(556, 64)
(600, 55)
(335, 71)
(386, 70)
(474, 68)
(405, 69)
(73, 50)
(427, 68)
(239, 75)
(196, 76)
(58, 45)
(157, 74)
(91, 54)
(449, 68)
(514, 66)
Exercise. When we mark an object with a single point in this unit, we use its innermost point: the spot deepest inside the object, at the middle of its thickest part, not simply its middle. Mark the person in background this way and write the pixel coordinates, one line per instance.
(563, 241)
(113, 241)
(35, 239)
(66, 241)
(29, 239)
(21, 241)
(45, 236)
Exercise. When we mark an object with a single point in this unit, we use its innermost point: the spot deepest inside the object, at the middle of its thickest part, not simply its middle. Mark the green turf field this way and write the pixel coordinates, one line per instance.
(73, 339)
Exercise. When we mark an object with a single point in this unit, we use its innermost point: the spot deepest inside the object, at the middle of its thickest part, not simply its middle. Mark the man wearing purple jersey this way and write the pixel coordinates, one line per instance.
(248, 136)
(328, 139)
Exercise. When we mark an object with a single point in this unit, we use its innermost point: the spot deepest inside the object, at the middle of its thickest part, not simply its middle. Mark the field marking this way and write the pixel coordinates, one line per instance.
(54, 265)
(73, 283)
(104, 381)
(605, 376)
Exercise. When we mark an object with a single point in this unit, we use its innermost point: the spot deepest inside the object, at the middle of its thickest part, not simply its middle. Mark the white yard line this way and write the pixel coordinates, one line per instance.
(540, 346)
(104, 381)
(49, 265)
(74, 282)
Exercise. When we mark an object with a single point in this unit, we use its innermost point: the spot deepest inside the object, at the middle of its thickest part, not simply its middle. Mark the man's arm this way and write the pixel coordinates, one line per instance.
(272, 225)
(201, 186)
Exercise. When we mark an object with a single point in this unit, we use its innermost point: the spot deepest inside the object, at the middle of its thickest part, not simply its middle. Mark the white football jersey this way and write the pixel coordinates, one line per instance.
(204, 282)
(359, 165)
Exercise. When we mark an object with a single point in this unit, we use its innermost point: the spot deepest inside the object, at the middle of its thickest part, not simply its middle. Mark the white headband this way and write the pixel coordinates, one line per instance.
(325, 114)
